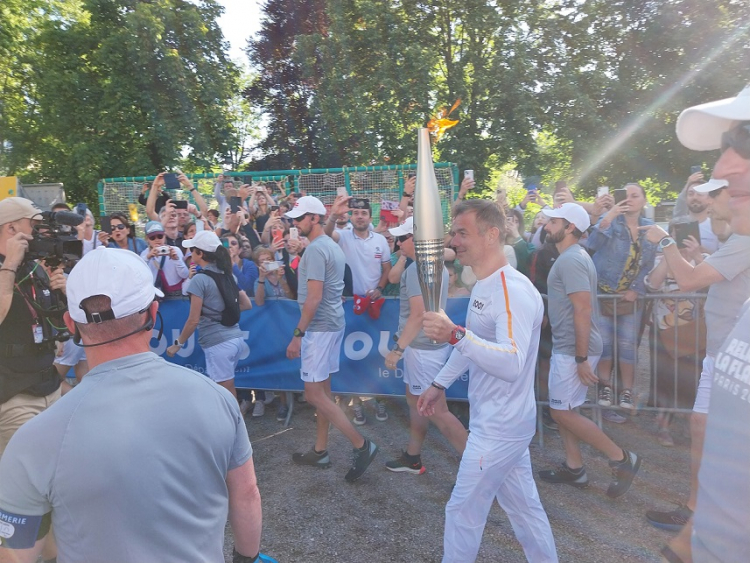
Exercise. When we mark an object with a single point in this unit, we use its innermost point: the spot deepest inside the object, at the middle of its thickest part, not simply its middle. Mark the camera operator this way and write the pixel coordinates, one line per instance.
(28, 381)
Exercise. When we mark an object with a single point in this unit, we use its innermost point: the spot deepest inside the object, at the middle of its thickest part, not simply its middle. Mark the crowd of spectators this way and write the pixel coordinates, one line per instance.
(264, 250)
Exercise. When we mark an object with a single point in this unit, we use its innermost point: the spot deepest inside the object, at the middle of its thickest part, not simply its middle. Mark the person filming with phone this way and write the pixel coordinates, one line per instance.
(166, 262)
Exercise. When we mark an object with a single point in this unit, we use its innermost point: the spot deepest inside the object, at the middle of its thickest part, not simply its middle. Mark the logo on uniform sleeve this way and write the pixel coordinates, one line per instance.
(6, 530)
(477, 305)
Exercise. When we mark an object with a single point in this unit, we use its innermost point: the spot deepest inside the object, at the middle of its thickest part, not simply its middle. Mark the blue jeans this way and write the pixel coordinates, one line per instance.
(626, 332)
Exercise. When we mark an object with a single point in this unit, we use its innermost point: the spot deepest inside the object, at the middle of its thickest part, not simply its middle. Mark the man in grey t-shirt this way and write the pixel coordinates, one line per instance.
(143, 480)
(576, 348)
(318, 336)
(423, 358)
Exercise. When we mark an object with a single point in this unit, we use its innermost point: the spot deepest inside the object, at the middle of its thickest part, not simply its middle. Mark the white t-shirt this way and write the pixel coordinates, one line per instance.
(175, 270)
(91, 244)
(365, 257)
(499, 350)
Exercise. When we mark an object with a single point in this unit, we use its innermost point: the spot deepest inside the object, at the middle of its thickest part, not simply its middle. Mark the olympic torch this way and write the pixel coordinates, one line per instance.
(428, 226)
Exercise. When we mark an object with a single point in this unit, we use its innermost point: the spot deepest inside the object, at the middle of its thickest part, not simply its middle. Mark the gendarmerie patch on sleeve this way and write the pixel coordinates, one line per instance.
(21, 532)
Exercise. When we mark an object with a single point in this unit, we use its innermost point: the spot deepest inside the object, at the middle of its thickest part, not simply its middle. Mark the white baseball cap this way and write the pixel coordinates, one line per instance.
(207, 241)
(406, 228)
(15, 208)
(711, 185)
(121, 275)
(306, 204)
(700, 127)
(572, 213)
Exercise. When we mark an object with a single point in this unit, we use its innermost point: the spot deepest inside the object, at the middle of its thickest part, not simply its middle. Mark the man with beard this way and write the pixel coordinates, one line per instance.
(369, 258)
(319, 334)
(576, 348)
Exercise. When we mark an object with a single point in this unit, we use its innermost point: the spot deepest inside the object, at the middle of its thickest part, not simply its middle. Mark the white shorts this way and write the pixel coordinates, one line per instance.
(565, 388)
(222, 358)
(703, 395)
(421, 367)
(72, 354)
(320, 355)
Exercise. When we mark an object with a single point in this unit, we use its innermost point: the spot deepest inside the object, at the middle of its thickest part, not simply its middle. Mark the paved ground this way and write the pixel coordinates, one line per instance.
(314, 515)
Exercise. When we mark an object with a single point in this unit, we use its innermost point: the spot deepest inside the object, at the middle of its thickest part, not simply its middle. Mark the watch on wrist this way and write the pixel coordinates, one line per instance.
(177, 342)
(458, 333)
(581, 359)
(398, 349)
(665, 242)
(298, 332)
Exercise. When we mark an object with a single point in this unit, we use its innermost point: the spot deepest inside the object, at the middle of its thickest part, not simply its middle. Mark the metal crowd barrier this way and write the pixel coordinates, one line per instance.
(668, 362)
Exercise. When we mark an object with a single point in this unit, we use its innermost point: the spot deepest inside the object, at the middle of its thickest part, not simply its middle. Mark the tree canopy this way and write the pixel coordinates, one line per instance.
(584, 89)
(104, 88)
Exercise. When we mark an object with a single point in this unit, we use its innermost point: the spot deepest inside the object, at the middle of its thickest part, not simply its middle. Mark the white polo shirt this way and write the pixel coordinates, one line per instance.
(365, 257)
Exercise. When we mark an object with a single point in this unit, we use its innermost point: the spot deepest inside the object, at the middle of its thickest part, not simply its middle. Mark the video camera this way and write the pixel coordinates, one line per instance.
(53, 241)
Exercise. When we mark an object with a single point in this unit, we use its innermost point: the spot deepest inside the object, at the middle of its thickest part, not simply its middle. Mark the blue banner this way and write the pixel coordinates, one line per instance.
(268, 329)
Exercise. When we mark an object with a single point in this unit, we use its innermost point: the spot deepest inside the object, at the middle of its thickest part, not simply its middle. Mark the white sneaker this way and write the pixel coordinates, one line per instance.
(259, 409)
(244, 406)
(270, 396)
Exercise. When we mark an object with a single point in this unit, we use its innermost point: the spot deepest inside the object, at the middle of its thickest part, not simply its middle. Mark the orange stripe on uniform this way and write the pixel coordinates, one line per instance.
(507, 309)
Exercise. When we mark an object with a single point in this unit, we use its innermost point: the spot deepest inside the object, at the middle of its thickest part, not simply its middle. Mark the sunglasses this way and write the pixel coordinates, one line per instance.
(227, 242)
(301, 218)
(739, 139)
(403, 238)
(155, 237)
(119, 227)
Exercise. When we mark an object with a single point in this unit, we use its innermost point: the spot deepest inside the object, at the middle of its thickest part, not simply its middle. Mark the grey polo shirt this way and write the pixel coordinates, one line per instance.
(132, 464)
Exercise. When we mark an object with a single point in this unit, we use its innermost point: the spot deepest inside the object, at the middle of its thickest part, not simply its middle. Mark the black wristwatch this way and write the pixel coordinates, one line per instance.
(398, 349)
(581, 359)
(298, 332)
(177, 343)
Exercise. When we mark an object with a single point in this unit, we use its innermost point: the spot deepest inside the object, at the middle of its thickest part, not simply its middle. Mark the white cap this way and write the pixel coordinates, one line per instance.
(306, 204)
(207, 241)
(700, 127)
(711, 185)
(121, 275)
(572, 213)
(406, 228)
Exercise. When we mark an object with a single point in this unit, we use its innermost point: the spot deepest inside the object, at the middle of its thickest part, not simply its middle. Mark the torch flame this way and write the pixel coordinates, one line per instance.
(440, 123)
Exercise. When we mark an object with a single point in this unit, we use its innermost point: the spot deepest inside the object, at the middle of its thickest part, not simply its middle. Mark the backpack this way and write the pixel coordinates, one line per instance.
(230, 294)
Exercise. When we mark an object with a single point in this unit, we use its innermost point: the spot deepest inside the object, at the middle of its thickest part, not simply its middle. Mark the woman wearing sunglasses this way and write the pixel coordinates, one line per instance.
(120, 235)
(166, 262)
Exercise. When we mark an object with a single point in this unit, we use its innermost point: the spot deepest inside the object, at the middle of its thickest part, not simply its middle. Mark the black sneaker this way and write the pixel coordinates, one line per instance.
(672, 521)
(311, 457)
(565, 474)
(622, 474)
(406, 464)
(361, 460)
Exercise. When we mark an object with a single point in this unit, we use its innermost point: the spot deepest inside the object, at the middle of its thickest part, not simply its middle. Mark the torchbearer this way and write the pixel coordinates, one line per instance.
(499, 347)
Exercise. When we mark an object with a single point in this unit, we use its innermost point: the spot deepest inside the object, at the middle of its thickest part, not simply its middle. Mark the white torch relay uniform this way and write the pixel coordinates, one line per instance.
(499, 350)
